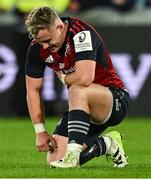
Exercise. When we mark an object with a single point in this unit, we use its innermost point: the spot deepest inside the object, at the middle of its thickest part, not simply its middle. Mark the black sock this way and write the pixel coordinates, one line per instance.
(78, 126)
(97, 149)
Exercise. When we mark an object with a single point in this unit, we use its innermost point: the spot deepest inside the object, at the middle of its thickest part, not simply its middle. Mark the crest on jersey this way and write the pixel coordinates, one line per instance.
(49, 59)
(83, 41)
(82, 37)
(67, 51)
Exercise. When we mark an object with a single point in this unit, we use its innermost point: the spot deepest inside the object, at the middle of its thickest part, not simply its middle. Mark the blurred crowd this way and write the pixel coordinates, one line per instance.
(119, 5)
(21, 7)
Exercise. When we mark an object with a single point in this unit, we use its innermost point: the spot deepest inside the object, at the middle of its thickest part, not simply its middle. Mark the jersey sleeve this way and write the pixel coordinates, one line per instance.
(34, 65)
(86, 44)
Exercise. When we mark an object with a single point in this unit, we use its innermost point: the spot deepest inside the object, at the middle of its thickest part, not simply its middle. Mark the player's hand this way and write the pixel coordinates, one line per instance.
(45, 142)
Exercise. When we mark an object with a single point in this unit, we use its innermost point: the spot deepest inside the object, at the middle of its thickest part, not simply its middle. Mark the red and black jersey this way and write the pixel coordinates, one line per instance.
(82, 42)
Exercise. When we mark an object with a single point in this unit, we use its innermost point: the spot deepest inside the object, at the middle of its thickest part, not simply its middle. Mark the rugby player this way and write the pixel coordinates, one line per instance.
(97, 97)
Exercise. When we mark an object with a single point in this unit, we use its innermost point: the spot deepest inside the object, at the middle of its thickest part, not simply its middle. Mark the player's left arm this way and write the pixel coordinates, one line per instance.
(84, 73)
(86, 45)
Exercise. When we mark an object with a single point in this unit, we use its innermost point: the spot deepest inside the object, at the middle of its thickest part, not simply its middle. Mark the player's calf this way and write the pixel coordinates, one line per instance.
(110, 145)
(97, 149)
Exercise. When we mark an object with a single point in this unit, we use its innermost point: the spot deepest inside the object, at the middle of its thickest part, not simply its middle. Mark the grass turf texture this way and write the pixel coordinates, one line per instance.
(19, 159)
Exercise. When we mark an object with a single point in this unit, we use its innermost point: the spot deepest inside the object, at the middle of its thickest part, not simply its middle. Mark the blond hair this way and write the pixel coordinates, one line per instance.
(39, 19)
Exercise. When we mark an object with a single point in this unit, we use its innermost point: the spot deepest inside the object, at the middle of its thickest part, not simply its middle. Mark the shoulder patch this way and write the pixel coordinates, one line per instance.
(83, 41)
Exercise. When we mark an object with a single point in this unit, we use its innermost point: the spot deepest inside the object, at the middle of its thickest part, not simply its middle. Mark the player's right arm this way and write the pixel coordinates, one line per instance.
(36, 110)
(34, 78)
(35, 106)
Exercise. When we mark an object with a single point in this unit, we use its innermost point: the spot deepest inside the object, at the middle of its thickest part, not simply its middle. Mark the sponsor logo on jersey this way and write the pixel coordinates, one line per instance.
(67, 71)
(117, 105)
(61, 65)
(49, 59)
(83, 41)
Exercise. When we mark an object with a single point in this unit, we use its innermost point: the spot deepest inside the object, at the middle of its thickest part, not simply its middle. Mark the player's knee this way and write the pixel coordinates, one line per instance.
(76, 92)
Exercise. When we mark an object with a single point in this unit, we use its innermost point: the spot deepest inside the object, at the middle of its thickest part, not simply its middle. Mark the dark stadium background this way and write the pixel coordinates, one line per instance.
(131, 41)
(126, 30)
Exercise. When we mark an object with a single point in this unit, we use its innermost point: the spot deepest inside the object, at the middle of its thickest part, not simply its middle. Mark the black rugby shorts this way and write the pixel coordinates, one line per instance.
(119, 110)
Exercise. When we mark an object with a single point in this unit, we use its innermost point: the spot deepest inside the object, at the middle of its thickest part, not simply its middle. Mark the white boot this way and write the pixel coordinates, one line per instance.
(71, 158)
(115, 150)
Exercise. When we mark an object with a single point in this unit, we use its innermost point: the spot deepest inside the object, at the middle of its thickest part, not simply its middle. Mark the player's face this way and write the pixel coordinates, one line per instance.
(52, 38)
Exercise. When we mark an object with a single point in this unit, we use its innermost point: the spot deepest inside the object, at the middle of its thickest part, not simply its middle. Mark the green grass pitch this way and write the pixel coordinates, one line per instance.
(19, 159)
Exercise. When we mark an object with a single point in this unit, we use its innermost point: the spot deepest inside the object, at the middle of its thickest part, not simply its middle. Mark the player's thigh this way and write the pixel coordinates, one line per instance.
(120, 106)
(59, 153)
(100, 100)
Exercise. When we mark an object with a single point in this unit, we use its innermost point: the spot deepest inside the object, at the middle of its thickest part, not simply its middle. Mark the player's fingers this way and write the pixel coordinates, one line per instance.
(53, 142)
(43, 148)
(51, 149)
(48, 148)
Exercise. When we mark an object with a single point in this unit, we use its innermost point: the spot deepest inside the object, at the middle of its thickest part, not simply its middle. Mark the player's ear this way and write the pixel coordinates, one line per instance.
(60, 26)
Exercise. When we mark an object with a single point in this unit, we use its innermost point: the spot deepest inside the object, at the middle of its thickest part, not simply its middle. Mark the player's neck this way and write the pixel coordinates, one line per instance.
(64, 31)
